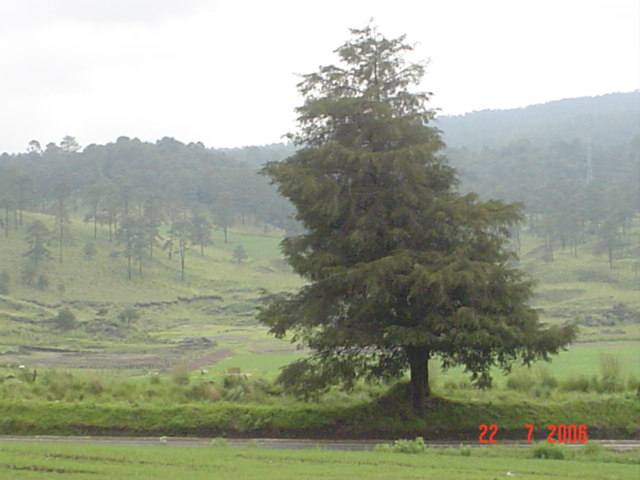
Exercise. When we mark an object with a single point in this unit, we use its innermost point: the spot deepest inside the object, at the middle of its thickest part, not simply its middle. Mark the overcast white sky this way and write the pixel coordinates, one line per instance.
(222, 72)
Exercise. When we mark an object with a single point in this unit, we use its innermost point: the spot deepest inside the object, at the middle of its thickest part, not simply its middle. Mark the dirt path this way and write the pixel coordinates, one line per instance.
(287, 443)
(210, 359)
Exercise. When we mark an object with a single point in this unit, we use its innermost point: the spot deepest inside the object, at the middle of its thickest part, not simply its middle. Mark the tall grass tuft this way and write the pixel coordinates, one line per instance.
(611, 375)
(538, 381)
(403, 446)
(180, 375)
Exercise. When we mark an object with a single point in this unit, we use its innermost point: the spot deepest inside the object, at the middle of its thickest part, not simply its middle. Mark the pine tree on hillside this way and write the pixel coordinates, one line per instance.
(402, 268)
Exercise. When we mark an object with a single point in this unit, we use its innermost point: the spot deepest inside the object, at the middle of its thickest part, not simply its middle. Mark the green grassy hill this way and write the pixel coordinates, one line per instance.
(218, 297)
(582, 288)
(216, 300)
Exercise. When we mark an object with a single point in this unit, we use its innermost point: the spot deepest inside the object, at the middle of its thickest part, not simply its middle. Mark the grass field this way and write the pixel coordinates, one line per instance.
(31, 461)
(217, 300)
(103, 370)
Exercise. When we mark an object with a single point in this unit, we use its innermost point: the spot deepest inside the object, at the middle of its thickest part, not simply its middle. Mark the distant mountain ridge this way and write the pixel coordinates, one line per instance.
(606, 119)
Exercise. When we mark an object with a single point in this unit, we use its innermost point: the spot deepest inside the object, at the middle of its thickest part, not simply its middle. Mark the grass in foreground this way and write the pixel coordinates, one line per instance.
(31, 461)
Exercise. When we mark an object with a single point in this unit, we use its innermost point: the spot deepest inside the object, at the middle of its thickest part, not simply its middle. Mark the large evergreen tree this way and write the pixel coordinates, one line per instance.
(38, 238)
(401, 267)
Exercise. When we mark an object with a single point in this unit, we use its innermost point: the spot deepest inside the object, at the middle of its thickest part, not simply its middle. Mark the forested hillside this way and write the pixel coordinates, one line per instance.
(575, 161)
(159, 182)
(574, 164)
(605, 120)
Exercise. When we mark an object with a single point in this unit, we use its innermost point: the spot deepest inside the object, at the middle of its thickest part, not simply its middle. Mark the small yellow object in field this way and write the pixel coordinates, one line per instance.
(234, 371)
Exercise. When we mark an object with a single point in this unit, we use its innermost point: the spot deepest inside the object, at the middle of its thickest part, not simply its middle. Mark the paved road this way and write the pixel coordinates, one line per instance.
(284, 443)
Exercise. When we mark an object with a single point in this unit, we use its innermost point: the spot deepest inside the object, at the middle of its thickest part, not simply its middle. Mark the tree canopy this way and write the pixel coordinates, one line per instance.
(402, 268)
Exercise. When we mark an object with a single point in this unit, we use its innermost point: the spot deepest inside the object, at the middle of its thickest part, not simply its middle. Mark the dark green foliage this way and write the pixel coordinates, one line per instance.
(401, 267)
(128, 315)
(38, 238)
(65, 320)
(239, 254)
(69, 144)
(200, 232)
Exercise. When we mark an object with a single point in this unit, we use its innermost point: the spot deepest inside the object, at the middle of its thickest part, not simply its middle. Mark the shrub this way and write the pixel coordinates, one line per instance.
(236, 387)
(58, 384)
(128, 315)
(591, 449)
(8, 425)
(383, 448)
(214, 394)
(203, 392)
(266, 387)
(231, 381)
(239, 254)
(65, 320)
(95, 386)
(234, 394)
(548, 450)
(403, 446)
(219, 442)
(180, 375)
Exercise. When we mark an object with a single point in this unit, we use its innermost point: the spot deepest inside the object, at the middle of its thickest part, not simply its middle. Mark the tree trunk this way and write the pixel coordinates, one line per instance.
(182, 255)
(61, 238)
(129, 259)
(419, 364)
